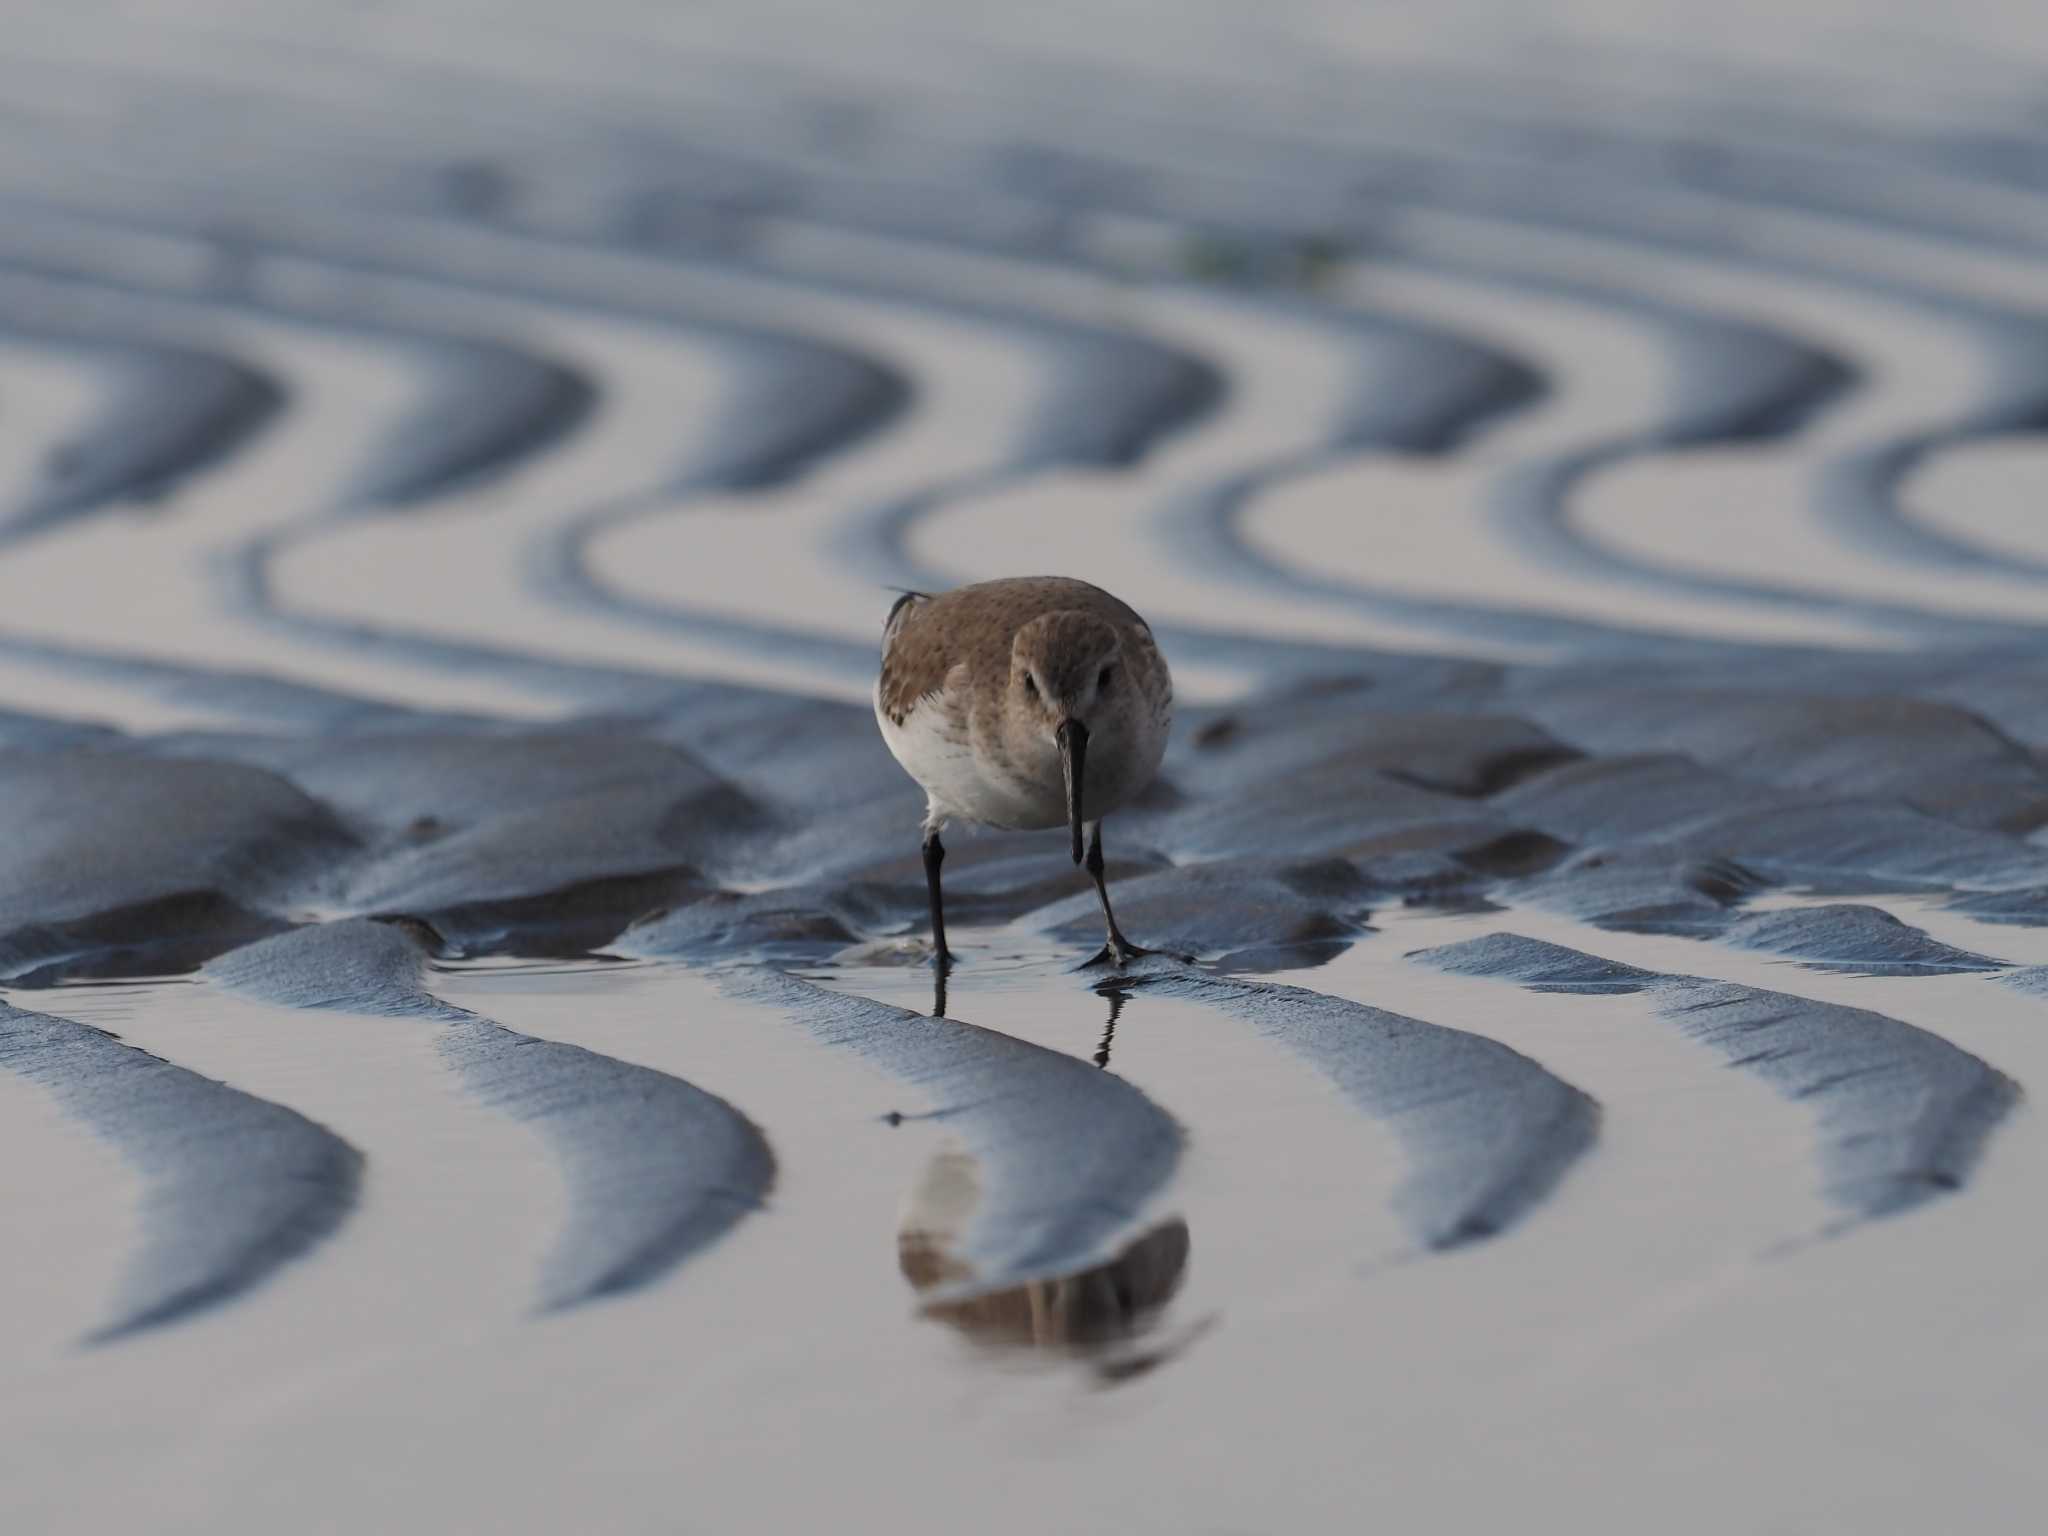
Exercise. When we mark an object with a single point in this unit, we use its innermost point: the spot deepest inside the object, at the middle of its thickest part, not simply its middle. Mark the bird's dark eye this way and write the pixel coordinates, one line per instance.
(1105, 677)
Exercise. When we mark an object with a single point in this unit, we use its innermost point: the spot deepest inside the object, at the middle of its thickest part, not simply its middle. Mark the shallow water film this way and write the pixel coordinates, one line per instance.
(470, 1051)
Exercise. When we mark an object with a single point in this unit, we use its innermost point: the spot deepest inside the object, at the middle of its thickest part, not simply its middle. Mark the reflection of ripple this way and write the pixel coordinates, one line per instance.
(1084, 1310)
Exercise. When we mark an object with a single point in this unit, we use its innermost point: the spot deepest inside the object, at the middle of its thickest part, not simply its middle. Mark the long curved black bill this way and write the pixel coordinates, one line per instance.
(1073, 739)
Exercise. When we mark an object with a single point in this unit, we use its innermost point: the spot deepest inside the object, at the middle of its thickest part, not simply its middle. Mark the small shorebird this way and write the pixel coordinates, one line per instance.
(1031, 702)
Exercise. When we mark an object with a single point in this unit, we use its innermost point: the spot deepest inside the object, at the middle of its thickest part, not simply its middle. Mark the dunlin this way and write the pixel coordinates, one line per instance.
(1027, 703)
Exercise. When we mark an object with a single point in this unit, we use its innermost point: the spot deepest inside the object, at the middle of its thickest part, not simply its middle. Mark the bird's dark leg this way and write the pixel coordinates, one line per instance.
(934, 856)
(1119, 948)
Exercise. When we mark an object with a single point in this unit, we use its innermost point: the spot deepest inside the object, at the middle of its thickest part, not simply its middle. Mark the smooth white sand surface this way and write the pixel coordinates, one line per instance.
(1987, 495)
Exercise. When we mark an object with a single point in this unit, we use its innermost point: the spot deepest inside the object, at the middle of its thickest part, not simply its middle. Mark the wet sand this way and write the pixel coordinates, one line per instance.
(467, 1046)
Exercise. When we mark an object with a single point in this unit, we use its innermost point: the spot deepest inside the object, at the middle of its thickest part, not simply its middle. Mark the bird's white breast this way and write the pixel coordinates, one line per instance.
(934, 747)
(937, 749)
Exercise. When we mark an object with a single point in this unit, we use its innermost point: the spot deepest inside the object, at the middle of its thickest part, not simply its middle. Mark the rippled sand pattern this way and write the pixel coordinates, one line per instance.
(468, 1052)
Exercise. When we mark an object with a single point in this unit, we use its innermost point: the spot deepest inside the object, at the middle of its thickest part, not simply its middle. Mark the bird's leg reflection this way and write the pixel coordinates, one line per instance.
(1116, 1007)
(939, 970)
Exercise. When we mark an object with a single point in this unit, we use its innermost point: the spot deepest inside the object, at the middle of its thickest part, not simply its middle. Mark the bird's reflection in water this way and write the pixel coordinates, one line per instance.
(1095, 1313)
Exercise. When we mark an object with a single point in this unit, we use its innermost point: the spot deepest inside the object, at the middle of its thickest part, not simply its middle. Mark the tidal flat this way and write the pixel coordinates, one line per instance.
(470, 1056)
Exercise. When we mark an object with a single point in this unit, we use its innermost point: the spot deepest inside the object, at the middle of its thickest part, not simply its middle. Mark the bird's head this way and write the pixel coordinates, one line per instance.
(1064, 667)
